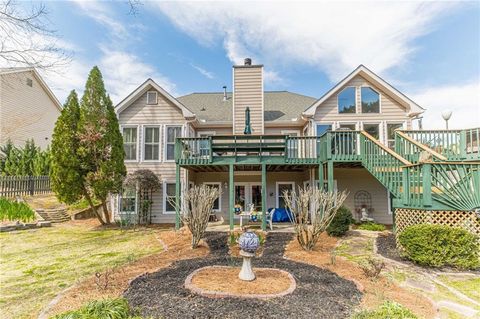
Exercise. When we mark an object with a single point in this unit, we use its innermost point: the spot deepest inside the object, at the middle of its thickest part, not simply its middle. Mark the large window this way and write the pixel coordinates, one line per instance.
(322, 128)
(372, 129)
(391, 127)
(169, 197)
(130, 143)
(151, 144)
(128, 201)
(346, 100)
(172, 132)
(370, 100)
(217, 202)
(281, 188)
(152, 97)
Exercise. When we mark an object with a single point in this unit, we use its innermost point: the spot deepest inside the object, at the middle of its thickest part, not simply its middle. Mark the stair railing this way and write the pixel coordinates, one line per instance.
(415, 151)
(383, 163)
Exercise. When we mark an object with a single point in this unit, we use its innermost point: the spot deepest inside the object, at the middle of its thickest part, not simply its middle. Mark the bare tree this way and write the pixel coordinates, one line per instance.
(195, 212)
(134, 6)
(25, 38)
(312, 210)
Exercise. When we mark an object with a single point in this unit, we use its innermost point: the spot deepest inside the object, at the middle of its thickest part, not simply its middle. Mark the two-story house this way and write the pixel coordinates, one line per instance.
(281, 153)
(28, 108)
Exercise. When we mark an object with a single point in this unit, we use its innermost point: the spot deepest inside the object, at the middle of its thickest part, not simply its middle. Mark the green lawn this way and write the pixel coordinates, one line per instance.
(36, 265)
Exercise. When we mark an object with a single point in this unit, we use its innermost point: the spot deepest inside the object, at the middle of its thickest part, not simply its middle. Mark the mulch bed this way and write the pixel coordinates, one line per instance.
(320, 293)
(387, 247)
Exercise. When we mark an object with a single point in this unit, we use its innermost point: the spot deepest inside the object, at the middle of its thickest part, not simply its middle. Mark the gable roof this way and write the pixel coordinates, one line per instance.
(46, 88)
(144, 87)
(278, 105)
(363, 71)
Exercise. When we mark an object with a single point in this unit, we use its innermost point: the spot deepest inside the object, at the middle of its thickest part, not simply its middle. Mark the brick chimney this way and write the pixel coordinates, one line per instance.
(248, 92)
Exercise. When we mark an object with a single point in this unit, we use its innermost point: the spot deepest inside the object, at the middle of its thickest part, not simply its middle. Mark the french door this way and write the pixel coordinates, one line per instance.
(248, 193)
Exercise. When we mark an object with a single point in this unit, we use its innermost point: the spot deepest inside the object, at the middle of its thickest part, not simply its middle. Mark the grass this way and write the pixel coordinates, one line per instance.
(388, 310)
(36, 265)
(82, 204)
(12, 211)
(102, 309)
(469, 287)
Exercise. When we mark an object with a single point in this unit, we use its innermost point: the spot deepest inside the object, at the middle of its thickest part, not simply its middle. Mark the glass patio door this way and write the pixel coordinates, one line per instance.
(248, 193)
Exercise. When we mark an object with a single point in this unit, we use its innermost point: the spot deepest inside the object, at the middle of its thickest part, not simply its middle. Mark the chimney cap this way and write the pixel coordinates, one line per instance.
(247, 61)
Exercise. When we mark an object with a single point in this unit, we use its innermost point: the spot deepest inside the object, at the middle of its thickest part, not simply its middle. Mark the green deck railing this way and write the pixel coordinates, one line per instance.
(414, 151)
(455, 145)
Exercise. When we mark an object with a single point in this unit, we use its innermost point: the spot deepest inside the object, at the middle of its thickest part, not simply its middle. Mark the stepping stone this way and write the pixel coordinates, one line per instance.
(461, 309)
(420, 284)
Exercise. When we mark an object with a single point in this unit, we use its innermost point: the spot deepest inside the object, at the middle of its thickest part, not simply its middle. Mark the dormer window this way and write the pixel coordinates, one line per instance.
(152, 97)
(346, 100)
(370, 100)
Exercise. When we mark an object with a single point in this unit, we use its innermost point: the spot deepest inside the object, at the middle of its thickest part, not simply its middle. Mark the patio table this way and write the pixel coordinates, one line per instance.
(247, 215)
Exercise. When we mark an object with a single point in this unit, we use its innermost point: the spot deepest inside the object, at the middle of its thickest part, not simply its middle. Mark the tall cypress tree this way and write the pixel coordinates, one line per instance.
(66, 174)
(100, 143)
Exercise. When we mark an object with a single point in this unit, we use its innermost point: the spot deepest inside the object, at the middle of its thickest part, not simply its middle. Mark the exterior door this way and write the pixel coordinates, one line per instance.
(248, 193)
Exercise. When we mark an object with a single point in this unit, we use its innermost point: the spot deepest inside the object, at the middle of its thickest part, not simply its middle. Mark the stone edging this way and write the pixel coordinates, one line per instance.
(217, 294)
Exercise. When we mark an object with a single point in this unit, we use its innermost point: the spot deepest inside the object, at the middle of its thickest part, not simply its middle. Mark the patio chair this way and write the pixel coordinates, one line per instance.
(269, 217)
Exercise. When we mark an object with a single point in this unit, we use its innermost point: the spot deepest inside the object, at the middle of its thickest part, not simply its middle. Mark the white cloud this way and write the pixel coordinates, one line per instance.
(205, 73)
(123, 72)
(463, 100)
(332, 37)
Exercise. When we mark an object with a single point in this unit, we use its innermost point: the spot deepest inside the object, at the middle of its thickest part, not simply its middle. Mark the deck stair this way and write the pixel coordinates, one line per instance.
(58, 215)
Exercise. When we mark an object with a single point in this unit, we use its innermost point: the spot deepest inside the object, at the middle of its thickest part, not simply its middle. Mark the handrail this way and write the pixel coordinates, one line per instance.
(420, 145)
(386, 149)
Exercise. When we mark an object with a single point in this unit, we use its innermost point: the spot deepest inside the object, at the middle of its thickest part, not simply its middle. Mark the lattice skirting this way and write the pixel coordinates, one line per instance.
(408, 217)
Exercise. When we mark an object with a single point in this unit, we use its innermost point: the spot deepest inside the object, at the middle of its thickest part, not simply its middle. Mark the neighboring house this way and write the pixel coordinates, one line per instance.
(28, 108)
(295, 141)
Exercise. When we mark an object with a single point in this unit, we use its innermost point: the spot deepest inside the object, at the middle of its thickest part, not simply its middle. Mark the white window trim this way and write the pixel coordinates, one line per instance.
(379, 99)
(156, 97)
(138, 141)
(219, 184)
(164, 197)
(349, 86)
(159, 143)
(120, 198)
(403, 123)
(165, 127)
(356, 123)
(277, 193)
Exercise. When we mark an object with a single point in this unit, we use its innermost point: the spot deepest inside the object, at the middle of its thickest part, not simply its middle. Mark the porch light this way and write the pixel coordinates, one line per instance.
(446, 116)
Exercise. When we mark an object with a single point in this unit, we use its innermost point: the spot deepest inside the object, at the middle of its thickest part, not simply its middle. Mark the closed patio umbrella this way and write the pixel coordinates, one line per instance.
(248, 127)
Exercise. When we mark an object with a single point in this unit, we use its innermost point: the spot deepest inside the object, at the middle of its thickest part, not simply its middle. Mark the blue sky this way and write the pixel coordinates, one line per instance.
(430, 50)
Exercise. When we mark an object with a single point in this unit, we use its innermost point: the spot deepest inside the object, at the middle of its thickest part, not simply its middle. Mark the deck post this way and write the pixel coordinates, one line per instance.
(264, 196)
(427, 184)
(330, 175)
(320, 177)
(230, 195)
(177, 197)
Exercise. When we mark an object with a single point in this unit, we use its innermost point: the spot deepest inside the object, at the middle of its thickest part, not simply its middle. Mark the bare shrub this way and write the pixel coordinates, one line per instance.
(196, 209)
(102, 280)
(312, 211)
(372, 267)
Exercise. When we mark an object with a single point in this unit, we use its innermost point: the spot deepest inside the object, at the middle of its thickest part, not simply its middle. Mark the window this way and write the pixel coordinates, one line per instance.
(152, 97)
(372, 129)
(169, 197)
(217, 202)
(346, 100)
(151, 144)
(29, 82)
(370, 100)
(322, 128)
(172, 132)
(128, 201)
(281, 187)
(347, 127)
(130, 143)
(391, 127)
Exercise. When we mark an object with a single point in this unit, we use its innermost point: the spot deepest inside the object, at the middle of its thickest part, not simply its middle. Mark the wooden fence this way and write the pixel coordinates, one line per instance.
(11, 186)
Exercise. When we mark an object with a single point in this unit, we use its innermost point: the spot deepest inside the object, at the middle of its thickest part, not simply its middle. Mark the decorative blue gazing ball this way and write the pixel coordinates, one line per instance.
(249, 242)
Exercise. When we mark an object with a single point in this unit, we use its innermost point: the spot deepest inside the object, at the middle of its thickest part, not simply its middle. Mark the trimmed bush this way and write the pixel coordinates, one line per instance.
(13, 211)
(371, 226)
(341, 222)
(389, 309)
(439, 245)
(101, 309)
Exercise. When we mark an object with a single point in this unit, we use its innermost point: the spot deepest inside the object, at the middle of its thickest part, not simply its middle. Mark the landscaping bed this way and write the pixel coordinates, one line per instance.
(320, 293)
